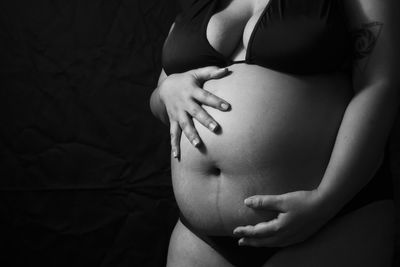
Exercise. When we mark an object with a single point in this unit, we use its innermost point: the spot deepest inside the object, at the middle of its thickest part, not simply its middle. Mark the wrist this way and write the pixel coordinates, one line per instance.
(165, 87)
(328, 203)
(157, 106)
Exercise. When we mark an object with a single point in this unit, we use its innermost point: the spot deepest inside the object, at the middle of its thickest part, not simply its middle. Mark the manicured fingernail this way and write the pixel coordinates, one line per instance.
(224, 106)
(212, 126)
(196, 142)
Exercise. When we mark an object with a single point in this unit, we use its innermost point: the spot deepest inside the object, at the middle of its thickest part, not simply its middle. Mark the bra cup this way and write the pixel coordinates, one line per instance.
(292, 36)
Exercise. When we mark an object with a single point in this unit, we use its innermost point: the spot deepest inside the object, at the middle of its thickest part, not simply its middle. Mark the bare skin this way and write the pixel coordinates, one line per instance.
(342, 242)
(281, 144)
(356, 154)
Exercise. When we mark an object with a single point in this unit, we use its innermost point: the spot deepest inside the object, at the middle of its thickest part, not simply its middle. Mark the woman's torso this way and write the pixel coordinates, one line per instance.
(277, 137)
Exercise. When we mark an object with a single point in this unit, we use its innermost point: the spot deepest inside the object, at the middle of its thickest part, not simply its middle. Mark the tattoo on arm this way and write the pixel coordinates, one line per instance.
(364, 40)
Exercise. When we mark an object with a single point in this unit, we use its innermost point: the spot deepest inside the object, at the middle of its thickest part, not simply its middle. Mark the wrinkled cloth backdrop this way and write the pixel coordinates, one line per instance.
(84, 166)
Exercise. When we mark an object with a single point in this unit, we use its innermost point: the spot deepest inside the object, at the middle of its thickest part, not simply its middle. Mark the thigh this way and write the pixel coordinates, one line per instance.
(364, 237)
(186, 249)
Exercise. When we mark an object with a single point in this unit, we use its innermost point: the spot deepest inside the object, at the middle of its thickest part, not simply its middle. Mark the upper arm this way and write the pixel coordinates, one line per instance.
(374, 25)
(163, 75)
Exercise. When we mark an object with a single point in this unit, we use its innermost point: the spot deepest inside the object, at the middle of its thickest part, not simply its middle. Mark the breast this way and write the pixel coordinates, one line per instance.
(302, 37)
(277, 138)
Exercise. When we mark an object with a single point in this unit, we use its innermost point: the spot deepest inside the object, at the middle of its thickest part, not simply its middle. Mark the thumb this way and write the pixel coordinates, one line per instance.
(208, 73)
(269, 202)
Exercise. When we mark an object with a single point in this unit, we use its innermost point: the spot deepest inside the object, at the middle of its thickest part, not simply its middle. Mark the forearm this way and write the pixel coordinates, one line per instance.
(157, 106)
(360, 144)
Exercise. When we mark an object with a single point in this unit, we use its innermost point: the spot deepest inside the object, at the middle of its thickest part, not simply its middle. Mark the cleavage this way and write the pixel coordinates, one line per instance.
(229, 31)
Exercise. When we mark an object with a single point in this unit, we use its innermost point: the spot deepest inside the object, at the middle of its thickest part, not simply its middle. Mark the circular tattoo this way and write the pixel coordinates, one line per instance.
(364, 41)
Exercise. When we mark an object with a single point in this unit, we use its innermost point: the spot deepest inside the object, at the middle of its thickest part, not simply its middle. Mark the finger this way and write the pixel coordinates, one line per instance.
(207, 73)
(221, 72)
(175, 132)
(261, 242)
(187, 126)
(280, 239)
(209, 99)
(269, 202)
(260, 230)
(197, 112)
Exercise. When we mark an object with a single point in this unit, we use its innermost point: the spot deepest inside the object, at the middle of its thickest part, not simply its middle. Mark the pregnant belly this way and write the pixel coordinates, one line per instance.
(277, 138)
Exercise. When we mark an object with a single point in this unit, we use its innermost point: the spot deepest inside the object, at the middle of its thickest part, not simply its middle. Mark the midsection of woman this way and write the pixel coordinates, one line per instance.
(276, 138)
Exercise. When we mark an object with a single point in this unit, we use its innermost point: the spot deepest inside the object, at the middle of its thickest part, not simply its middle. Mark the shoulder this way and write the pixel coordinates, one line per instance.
(185, 4)
(374, 26)
(361, 11)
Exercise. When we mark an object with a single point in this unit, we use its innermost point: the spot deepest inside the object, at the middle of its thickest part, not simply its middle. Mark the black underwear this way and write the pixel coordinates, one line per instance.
(379, 188)
(227, 247)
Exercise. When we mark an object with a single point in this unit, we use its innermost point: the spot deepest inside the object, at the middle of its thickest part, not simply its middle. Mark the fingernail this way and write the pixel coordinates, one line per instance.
(196, 142)
(248, 201)
(212, 126)
(223, 69)
(224, 106)
(174, 153)
(241, 242)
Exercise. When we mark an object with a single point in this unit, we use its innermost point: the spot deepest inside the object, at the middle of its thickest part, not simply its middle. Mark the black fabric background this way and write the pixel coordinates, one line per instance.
(84, 166)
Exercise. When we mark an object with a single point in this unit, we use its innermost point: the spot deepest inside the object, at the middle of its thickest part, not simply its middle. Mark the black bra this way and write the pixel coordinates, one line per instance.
(292, 36)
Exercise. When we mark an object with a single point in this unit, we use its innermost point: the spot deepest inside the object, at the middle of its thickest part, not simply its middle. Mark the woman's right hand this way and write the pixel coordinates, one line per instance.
(183, 95)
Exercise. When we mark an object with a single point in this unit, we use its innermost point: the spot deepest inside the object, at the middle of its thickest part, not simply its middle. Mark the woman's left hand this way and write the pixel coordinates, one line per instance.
(301, 214)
